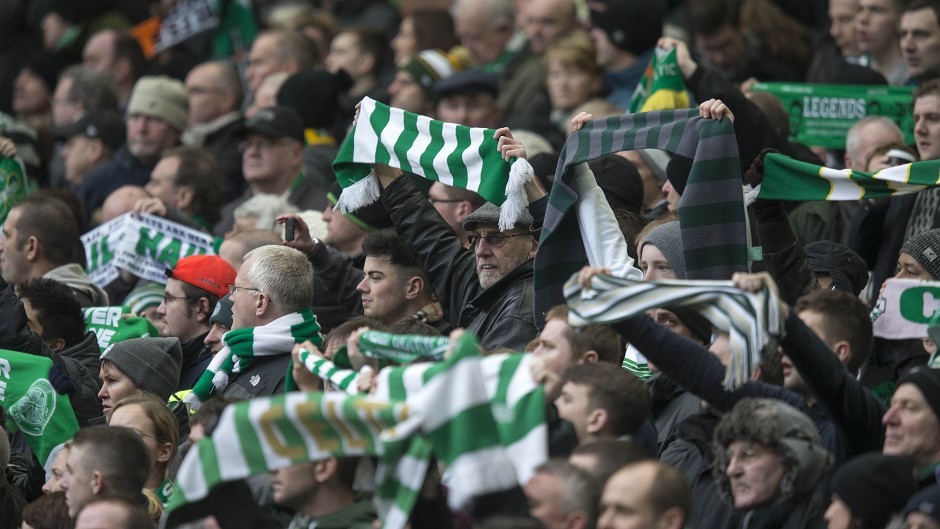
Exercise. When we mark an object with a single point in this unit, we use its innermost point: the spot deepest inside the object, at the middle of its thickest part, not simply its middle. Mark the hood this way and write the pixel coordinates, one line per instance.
(75, 277)
(781, 427)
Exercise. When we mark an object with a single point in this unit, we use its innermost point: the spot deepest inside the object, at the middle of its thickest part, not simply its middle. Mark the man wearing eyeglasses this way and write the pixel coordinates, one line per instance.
(272, 162)
(487, 289)
(193, 288)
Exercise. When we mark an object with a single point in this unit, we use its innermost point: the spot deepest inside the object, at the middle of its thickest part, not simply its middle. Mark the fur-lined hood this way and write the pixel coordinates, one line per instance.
(782, 427)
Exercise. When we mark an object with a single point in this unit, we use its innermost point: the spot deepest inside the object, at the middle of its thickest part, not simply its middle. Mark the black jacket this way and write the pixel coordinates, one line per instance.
(266, 376)
(15, 335)
(196, 358)
(502, 315)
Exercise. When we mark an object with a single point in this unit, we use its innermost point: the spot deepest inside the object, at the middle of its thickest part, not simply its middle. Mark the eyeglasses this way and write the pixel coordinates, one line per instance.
(495, 241)
(444, 200)
(232, 289)
(167, 298)
(198, 90)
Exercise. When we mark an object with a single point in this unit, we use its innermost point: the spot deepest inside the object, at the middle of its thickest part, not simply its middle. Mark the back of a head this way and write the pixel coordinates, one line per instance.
(94, 90)
(580, 492)
(705, 17)
(623, 396)
(284, 274)
(669, 490)
(57, 309)
(631, 26)
(119, 454)
(293, 46)
(610, 455)
(51, 221)
(199, 171)
(48, 510)
(116, 511)
(598, 338)
(845, 318)
(249, 240)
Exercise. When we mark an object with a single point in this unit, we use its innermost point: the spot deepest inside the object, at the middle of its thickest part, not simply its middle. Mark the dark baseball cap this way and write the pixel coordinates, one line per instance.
(105, 126)
(467, 82)
(277, 122)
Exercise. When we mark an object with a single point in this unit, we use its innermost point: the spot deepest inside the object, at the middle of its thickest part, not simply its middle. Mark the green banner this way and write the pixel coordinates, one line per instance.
(32, 404)
(821, 114)
(115, 324)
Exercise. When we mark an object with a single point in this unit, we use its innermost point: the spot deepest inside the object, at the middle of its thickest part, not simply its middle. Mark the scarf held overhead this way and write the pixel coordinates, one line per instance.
(711, 210)
(482, 417)
(242, 346)
(454, 155)
(789, 179)
(751, 319)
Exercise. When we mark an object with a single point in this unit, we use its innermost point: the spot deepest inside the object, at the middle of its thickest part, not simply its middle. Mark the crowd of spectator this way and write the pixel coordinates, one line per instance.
(225, 117)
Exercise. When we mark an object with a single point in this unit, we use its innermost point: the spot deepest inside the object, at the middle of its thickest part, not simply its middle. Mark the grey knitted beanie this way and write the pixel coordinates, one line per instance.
(153, 364)
(667, 238)
(925, 249)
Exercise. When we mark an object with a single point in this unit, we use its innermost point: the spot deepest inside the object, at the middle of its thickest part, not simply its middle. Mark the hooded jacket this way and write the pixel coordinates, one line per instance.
(794, 437)
(87, 293)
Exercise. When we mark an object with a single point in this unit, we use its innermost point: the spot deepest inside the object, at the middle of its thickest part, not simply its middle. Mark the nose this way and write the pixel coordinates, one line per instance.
(890, 416)
(161, 310)
(103, 392)
(649, 275)
(327, 214)
(363, 286)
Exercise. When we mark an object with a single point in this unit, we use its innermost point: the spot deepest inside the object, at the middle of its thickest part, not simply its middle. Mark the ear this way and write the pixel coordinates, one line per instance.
(464, 208)
(121, 68)
(843, 350)
(325, 469)
(414, 287)
(32, 248)
(184, 197)
(673, 518)
(534, 246)
(56, 345)
(203, 310)
(97, 482)
(366, 63)
(589, 357)
(96, 147)
(757, 374)
(596, 420)
(165, 450)
(576, 520)
(262, 304)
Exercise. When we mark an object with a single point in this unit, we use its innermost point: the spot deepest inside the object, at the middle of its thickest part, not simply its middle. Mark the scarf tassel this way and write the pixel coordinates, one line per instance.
(360, 194)
(520, 173)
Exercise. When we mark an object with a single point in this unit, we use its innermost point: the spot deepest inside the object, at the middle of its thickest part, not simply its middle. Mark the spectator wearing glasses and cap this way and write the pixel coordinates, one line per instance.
(272, 162)
(193, 289)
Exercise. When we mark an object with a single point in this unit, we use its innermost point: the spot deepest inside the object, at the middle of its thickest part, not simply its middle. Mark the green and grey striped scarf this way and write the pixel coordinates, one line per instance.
(789, 179)
(752, 320)
(452, 154)
(711, 211)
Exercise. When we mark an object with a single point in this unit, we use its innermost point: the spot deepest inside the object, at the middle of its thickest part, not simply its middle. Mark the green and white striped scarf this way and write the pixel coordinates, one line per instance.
(242, 346)
(402, 348)
(789, 179)
(452, 154)
(343, 379)
(711, 211)
(484, 418)
(751, 319)
(267, 433)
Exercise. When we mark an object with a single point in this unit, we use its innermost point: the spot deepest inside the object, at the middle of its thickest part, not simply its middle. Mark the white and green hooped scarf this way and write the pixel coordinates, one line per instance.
(242, 346)
(452, 154)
